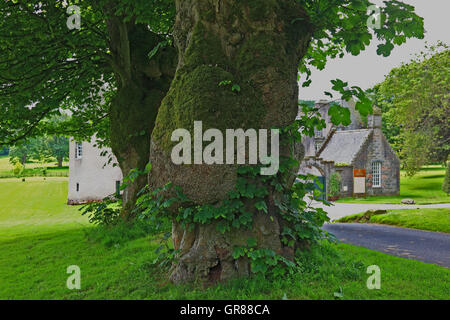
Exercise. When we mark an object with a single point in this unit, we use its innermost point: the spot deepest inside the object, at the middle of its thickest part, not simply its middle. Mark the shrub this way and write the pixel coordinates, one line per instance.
(105, 212)
(18, 169)
(446, 184)
(335, 184)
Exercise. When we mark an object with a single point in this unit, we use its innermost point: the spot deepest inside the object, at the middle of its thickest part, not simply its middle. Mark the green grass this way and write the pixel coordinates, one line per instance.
(40, 237)
(33, 169)
(424, 219)
(425, 188)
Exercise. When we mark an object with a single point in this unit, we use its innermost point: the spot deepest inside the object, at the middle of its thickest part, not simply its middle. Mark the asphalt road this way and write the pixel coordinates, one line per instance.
(426, 246)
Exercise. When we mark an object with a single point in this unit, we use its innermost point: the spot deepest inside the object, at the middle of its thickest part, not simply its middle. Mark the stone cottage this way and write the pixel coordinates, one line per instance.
(361, 145)
(91, 177)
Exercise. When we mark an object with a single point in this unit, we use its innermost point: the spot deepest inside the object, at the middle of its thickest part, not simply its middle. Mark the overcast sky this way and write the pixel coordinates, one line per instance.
(368, 68)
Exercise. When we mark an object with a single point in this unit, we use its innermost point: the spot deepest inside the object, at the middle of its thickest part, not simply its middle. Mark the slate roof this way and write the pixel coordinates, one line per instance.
(344, 145)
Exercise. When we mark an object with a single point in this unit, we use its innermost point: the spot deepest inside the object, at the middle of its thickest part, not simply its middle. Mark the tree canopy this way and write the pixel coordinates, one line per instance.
(46, 68)
(415, 103)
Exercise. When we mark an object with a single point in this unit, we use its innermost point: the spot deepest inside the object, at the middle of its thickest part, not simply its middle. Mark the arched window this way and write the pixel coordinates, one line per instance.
(376, 174)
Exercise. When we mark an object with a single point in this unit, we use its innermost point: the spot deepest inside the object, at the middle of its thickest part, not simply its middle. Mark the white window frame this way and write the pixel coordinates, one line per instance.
(318, 133)
(78, 150)
(376, 174)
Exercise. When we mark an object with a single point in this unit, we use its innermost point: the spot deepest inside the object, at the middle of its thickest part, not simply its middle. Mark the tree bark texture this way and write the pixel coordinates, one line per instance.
(142, 83)
(256, 45)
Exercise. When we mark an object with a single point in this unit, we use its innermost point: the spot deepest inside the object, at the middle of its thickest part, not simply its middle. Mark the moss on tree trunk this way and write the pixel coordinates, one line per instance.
(255, 45)
(142, 83)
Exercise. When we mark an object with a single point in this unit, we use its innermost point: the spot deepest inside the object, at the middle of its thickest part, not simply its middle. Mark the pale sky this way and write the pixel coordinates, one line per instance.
(368, 68)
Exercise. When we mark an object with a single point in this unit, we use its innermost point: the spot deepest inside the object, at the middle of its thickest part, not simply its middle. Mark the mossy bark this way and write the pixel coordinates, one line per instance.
(256, 45)
(142, 82)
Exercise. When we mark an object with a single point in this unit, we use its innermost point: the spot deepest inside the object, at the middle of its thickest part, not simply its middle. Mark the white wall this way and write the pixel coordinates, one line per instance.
(96, 181)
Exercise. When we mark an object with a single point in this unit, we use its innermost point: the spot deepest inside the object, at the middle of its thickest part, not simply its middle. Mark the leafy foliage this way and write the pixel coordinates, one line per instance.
(106, 212)
(18, 169)
(335, 184)
(341, 27)
(415, 105)
(47, 69)
(41, 148)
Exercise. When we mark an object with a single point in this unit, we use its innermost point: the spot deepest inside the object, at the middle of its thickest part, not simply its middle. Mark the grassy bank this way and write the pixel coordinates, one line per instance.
(425, 188)
(40, 237)
(424, 219)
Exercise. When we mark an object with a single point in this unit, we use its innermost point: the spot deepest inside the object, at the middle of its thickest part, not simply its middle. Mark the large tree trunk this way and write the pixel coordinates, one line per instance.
(257, 45)
(142, 84)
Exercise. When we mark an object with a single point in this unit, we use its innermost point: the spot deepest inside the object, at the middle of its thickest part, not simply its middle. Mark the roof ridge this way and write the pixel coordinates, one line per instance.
(344, 147)
(327, 140)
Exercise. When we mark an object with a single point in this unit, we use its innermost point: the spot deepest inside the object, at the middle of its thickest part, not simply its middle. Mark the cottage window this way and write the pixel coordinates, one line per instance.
(318, 133)
(78, 150)
(376, 174)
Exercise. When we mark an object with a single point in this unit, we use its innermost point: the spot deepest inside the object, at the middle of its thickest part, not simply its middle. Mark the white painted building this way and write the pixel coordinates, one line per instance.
(91, 178)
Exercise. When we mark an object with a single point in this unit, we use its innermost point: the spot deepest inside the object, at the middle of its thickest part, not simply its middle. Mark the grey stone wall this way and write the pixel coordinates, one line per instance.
(346, 173)
(378, 149)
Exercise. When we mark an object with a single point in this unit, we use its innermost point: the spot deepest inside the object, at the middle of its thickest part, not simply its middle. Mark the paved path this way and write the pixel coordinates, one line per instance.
(426, 246)
(339, 210)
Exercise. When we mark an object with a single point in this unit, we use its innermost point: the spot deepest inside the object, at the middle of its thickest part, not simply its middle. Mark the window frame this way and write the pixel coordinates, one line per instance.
(376, 172)
(78, 150)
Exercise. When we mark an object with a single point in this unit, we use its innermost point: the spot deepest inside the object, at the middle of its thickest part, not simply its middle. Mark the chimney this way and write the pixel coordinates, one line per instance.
(374, 119)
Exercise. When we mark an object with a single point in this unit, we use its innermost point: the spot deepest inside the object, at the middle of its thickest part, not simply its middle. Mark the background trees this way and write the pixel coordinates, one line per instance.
(415, 103)
(42, 149)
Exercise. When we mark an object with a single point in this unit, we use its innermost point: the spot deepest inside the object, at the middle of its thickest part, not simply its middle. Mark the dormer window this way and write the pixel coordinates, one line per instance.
(78, 150)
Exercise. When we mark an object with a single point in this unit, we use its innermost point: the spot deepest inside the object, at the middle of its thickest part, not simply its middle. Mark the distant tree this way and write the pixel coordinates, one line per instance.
(415, 104)
(57, 147)
(19, 154)
(4, 151)
(446, 184)
(41, 149)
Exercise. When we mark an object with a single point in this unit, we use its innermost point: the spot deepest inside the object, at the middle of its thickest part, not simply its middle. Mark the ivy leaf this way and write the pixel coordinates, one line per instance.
(252, 242)
(339, 115)
(236, 87)
(261, 206)
(155, 50)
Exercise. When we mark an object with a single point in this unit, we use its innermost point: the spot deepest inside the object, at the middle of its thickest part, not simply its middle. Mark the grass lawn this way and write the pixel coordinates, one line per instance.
(425, 188)
(424, 219)
(33, 169)
(40, 237)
